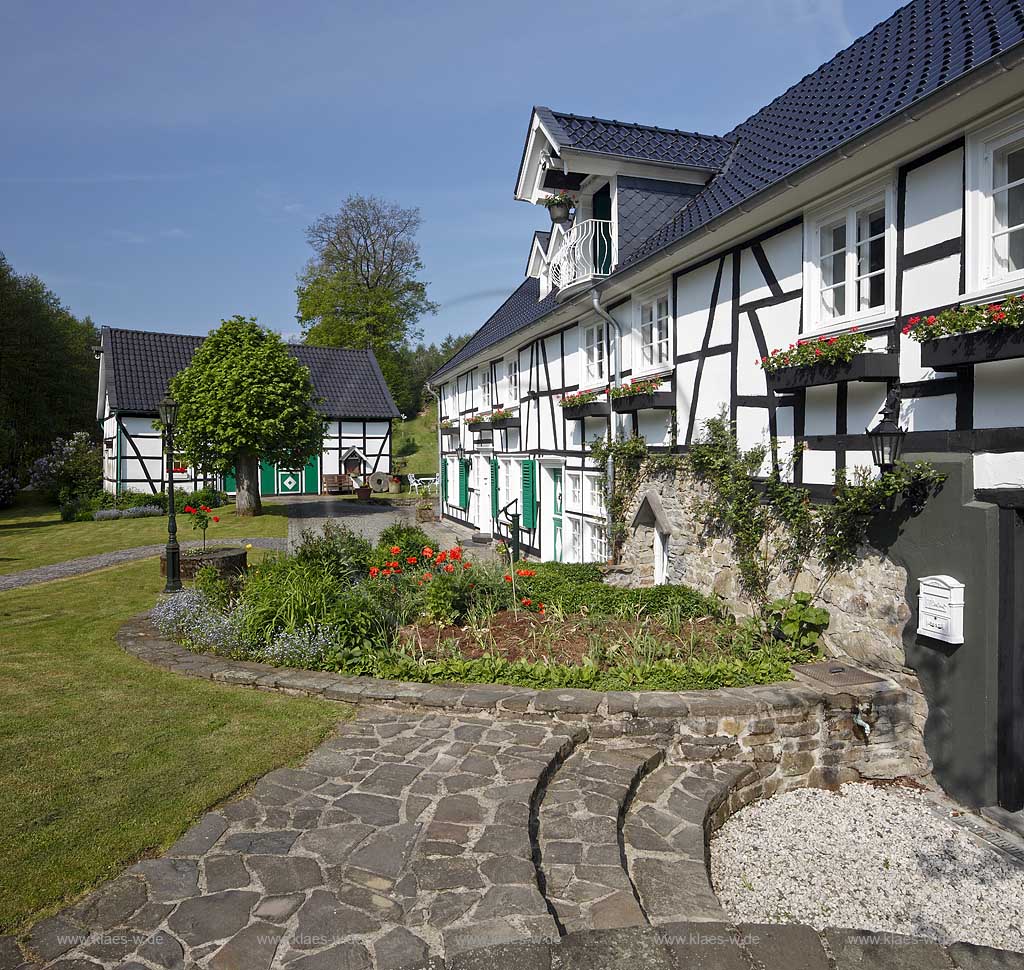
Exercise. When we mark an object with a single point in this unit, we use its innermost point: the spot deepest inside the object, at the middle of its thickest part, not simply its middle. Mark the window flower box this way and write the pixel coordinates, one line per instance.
(640, 395)
(502, 419)
(480, 422)
(861, 367)
(450, 429)
(970, 334)
(585, 404)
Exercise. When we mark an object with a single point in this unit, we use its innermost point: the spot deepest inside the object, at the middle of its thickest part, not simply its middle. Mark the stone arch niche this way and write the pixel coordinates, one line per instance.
(652, 530)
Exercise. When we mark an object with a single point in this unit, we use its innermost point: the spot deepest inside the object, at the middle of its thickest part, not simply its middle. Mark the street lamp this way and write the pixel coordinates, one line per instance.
(887, 436)
(169, 417)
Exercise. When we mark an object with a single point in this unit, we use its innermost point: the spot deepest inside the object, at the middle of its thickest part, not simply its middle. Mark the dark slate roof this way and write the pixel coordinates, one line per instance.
(625, 138)
(644, 206)
(920, 48)
(520, 310)
(140, 364)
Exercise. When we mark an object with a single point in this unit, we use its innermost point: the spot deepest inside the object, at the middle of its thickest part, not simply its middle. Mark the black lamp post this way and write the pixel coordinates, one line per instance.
(887, 436)
(169, 417)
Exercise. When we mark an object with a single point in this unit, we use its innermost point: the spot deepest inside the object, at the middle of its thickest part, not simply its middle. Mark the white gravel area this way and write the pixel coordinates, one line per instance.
(881, 859)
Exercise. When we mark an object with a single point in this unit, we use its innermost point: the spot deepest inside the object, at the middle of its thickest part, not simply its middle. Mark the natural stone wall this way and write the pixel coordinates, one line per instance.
(867, 604)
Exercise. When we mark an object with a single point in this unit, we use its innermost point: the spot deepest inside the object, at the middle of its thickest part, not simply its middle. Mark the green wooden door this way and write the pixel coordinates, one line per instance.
(267, 475)
(556, 514)
(311, 476)
(289, 481)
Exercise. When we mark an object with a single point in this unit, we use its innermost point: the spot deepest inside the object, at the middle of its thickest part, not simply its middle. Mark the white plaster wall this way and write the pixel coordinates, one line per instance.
(820, 410)
(934, 202)
(999, 394)
(715, 388)
(693, 298)
(685, 376)
(864, 401)
(785, 256)
(655, 426)
(819, 467)
(999, 471)
(721, 331)
(138, 426)
(929, 413)
(931, 285)
(753, 285)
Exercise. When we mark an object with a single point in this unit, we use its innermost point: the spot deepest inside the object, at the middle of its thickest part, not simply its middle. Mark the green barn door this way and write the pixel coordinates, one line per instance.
(311, 476)
(267, 474)
(289, 482)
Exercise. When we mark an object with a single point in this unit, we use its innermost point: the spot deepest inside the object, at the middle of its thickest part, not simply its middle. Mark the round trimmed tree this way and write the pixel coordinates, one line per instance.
(243, 399)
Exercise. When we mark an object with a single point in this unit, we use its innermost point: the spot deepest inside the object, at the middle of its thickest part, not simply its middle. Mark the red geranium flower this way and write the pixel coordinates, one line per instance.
(395, 550)
(374, 572)
(411, 560)
(428, 552)
(508, 578)
(449, 568)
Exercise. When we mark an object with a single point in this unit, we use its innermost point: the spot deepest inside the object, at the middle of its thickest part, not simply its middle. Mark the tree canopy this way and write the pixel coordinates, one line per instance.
(362, 288)
(244, 398)
(47, 369)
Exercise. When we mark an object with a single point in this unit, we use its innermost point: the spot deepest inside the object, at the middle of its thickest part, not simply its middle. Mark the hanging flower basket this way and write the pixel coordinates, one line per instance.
(559, 207)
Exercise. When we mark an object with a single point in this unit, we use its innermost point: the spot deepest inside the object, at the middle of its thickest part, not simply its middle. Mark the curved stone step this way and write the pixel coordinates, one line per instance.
(665, 838)
(579, 837)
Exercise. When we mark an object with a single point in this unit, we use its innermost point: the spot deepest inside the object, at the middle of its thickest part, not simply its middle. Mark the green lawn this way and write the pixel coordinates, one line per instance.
(420, 432)
(33, 535)
(106, 759)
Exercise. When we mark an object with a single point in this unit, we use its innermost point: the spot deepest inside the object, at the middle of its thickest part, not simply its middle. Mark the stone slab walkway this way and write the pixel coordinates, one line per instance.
(88, 564)
(427, 840)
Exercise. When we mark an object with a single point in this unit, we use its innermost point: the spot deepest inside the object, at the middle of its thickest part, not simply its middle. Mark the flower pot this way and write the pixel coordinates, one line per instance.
(505, 423)
(394, 488)
(451, 432)
(863, 367)
(481, 426)
(595, 409)
(643, 402)
(424, 514)
(559, 214)
(363, 493)
(961, 349)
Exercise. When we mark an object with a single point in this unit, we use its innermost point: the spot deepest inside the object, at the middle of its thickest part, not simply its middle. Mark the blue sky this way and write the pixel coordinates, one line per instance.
(161, 162)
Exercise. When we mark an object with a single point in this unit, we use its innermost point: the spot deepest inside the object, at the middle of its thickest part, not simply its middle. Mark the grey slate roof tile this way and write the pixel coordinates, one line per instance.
(608, 137)
(140, 363)
(520, 310)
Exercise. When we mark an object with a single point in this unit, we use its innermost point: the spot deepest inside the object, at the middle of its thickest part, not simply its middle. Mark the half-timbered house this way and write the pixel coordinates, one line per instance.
(886, 185)
(136, 367)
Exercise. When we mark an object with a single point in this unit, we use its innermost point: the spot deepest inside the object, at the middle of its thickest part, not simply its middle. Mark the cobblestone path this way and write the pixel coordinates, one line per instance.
(435, 840)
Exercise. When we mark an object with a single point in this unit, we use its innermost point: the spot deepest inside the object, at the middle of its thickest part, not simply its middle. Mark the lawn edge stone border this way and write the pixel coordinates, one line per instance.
(797, 733)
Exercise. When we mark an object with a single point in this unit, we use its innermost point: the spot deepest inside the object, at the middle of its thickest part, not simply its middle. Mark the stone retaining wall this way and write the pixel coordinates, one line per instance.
(794, 734)
(867, 604)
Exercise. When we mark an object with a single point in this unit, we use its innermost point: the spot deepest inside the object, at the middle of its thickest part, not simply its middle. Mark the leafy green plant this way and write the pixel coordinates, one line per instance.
(336, 549)
(580, 398)
(841, 348)
(1008, 315)
(796, 621)
(773, 528)
(409, 538)
(560, 198)
(646, 385)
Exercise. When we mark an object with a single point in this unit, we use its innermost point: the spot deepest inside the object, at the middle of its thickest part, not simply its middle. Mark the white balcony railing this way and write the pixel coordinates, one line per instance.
(585, 254)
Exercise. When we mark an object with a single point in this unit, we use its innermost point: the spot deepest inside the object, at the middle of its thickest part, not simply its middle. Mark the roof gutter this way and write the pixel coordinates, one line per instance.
(992, 68)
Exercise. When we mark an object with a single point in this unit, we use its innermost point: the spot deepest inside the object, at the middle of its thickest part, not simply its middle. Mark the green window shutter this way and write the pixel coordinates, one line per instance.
(444, 480)
(463, 485)
(495, 500)
(529, 514)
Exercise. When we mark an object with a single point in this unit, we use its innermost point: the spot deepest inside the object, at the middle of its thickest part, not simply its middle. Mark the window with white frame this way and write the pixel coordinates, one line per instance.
(485, 387)
(849, 268)
(654, 329)
(593, 494)
(593, 354)
(597, 544)
(574, 552)
(513, 381)
(995, 199)
(575, 498)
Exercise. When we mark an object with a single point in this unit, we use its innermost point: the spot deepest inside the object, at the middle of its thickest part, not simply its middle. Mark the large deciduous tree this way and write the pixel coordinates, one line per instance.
(243, 398)
(47, 370)
(362, 289)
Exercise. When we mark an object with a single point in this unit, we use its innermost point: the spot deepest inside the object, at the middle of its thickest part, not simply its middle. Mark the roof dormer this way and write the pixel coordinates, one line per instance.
(562, 150)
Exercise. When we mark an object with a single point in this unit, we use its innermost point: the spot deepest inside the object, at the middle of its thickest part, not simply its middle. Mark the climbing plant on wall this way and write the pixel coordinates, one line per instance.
(634, 464)
(773, 526)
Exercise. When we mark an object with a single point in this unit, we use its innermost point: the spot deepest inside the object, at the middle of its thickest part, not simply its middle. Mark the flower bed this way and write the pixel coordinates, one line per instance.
(406, 611)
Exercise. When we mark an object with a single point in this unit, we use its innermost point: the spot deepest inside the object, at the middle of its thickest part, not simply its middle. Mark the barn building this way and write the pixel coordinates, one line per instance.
(137, 365)
(887, 185)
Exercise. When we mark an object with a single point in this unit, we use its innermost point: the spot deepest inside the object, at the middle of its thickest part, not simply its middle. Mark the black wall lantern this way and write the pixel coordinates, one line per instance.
(887, 436)
(460, 453)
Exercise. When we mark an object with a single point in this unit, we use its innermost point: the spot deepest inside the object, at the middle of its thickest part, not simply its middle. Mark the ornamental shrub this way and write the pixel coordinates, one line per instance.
(73, 467)
(336, 549)
(407, 537)
(8, 488)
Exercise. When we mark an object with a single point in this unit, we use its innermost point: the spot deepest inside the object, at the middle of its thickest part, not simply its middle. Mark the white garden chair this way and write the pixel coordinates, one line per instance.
(427, 483)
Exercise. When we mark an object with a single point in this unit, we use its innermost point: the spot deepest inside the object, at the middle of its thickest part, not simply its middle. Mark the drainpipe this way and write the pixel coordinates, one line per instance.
(440, 455)
(615, 362)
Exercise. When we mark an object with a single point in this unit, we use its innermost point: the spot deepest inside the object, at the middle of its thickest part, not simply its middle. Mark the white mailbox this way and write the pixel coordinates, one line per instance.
(940, 608)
